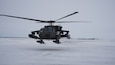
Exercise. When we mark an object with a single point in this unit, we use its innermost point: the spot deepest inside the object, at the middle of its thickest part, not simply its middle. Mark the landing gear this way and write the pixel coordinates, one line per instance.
(57, 41)
(57, 38)
(41, 42)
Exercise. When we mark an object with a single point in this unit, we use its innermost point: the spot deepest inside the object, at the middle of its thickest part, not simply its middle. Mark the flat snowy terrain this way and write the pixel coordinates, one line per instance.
(24, 51)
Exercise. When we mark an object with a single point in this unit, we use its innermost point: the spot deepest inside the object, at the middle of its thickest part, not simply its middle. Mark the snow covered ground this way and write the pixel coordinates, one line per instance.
(25, 51)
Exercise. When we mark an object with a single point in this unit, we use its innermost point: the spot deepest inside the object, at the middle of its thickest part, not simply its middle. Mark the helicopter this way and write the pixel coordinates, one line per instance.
(53, 32)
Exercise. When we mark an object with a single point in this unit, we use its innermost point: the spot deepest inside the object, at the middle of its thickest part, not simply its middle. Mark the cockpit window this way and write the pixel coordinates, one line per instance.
(50, 29)
(41, 30)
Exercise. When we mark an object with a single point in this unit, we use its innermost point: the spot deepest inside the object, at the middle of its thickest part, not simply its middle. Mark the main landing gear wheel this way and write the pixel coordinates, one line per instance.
(41, 42)
(57, 42)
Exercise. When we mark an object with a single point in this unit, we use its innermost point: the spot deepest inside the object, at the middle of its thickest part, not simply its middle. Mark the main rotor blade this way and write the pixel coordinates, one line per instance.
(66, 16)
(72, 21)
(22, 18)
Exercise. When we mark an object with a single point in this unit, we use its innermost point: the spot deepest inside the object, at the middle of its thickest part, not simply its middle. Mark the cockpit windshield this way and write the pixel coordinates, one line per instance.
(42, 29)
(50, 29)
(47, 29)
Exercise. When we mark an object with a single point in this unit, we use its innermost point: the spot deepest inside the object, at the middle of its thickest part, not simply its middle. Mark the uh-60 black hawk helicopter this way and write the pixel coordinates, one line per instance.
(51, 31)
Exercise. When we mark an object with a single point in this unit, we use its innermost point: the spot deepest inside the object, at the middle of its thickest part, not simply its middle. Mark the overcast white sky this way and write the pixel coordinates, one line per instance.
(99, 12)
